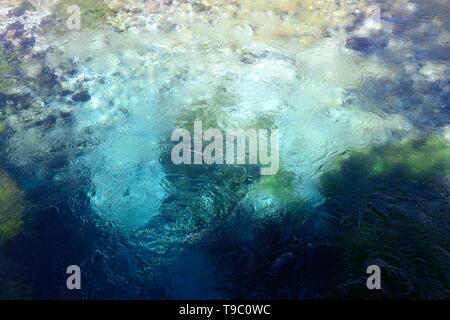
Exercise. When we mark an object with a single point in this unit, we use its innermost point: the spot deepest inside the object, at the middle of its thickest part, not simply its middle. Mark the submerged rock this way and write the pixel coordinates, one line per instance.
(15, 30)
(48, 78)
(359, 43)
(167, 26)
(47, 122)
(19, 11)
(82, 96)
(17, 100)
(66, 92)
(365, 44)
(27, 43)
(248, 58)
(199, 6)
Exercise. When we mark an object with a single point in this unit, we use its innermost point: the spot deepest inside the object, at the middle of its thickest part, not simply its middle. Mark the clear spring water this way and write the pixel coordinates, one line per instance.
(142, 228)
(138, 86)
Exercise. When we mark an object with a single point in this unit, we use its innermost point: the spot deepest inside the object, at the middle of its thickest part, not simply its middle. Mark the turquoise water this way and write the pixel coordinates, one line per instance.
(362, 110)
(136, 98)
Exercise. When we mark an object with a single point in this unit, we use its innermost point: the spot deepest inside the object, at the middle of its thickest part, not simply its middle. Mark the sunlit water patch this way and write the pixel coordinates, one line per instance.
(138, 89)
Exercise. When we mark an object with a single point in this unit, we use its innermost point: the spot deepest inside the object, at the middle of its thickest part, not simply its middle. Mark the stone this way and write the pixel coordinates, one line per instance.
(153, 7)
(19, 11)
(15, 30)
(65, 92)
(27, 43)
(167, 26)
(199, 6)
(248, 58)
(10, 34)
(46, 123)
(82, 96)
(32, 69)
(365, 44)
(362, 44)
(48, 78)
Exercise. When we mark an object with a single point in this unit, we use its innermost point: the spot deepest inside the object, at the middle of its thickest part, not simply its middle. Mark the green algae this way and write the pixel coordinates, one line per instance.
(405, 234)
(11, 212)
(392, 211)
(421, 160)
(3, 127)
(5, 67)
(210, 111)
(199, 6)
(7, 64)
(93, 12)
(11, 208)
(280, 186)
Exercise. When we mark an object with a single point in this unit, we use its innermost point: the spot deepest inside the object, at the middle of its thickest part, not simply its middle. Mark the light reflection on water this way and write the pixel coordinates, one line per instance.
(331, 83)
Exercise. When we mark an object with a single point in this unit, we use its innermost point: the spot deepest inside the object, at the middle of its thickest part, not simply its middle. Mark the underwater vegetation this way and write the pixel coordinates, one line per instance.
(395, 216)
(11, 208)
(11, 216)
(269, 194)
(4, 65)
(210, 112)
(277, 256)
(93, 13)
(7, 64)
(279, 185)
(418, 160)
(392, 209)
(3, 126)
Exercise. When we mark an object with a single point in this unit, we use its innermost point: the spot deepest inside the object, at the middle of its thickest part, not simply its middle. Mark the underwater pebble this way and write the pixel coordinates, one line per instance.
(366, 45)
(153, 7)
(19, 11)
(47, 122)
(359, 44)
(82, 96)
(48, 78)
(15, 30)
(167, 26)
(27, 43)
